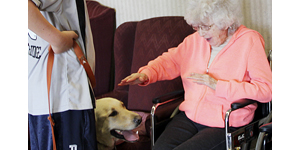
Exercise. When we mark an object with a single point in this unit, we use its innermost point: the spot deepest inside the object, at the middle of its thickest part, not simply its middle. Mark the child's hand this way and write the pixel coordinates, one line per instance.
(65, 42)
(60, 41)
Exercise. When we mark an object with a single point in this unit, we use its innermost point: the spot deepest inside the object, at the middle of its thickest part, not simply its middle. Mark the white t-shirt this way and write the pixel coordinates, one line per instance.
(69, 86)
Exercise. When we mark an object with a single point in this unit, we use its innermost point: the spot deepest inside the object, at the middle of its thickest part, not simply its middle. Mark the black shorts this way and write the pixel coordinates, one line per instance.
(74, 130)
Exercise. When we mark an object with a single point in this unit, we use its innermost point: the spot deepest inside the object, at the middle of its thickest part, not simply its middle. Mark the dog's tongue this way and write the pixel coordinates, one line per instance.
(130, 135)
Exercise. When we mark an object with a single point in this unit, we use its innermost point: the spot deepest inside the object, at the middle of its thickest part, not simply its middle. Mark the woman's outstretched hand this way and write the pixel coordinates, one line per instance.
(135, 78)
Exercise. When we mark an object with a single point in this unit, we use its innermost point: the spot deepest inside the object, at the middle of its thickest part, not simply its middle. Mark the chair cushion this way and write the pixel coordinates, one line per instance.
(95, 9)
(123, 49)
(153, 37)
(102, 21)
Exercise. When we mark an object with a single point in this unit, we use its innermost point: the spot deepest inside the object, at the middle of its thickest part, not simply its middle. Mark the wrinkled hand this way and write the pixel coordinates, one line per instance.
(65, 42)
(203, 79)
(135, 78)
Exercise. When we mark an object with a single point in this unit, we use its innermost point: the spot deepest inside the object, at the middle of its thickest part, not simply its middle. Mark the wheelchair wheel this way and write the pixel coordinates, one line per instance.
(264, 142)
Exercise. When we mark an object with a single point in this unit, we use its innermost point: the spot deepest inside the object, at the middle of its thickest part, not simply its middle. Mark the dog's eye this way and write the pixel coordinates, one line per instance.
(113, 113)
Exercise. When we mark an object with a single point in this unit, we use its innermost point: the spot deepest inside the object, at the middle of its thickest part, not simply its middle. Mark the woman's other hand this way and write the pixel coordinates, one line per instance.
(135, 78)
(203, 79)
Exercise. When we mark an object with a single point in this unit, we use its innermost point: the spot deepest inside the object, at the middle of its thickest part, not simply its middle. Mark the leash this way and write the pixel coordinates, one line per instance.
(85, 65)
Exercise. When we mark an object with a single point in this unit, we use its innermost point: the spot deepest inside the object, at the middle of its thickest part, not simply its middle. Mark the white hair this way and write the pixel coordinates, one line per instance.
(223, 13)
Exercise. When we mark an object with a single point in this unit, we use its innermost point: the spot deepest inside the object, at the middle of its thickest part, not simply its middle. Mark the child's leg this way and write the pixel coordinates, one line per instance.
(40, 132)
(74, 130)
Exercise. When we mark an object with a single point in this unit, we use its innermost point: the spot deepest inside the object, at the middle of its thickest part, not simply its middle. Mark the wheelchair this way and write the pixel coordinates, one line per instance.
(256, 135)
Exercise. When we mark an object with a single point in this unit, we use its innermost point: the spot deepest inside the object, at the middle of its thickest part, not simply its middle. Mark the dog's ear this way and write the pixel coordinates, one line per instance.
(113, 113)
(123, 105)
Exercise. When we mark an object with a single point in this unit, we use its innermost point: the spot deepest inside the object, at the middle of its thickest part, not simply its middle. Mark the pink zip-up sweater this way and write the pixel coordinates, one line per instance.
(241, 68)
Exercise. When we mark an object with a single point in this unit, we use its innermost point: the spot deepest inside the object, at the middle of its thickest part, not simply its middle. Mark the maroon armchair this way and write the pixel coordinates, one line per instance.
(103, 24)
(135, 44)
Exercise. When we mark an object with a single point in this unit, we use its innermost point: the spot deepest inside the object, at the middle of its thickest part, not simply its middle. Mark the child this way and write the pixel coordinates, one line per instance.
(59, 23)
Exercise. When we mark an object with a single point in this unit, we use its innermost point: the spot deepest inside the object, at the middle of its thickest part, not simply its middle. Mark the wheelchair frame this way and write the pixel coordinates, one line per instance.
(241, 138)
(237, 140)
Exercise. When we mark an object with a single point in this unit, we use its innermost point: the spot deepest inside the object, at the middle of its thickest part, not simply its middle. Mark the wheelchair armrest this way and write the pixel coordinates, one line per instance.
(168, 96)
(234, 106)
(168, 102)
(266, 128)
(241, 103)
(230, 136)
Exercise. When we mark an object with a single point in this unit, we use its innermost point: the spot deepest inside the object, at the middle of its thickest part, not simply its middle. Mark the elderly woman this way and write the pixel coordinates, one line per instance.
(220, 63)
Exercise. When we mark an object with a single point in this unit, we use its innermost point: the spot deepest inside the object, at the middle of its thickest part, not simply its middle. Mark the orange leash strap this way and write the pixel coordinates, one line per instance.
(85, 65)
(49, 73)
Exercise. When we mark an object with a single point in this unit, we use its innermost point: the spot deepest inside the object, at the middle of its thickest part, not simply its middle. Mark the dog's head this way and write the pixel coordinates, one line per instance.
(117, 119)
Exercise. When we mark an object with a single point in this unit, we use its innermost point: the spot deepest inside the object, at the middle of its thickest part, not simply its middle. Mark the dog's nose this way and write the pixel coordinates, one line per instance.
(137, 120)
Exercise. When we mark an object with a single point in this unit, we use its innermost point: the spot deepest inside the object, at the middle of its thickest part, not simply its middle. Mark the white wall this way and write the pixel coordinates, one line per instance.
(135, 10)
(257, 13)
(258, 16)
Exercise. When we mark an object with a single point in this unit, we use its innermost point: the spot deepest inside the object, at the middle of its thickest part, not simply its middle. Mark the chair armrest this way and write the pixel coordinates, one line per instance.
(234, 106)
(173, 99)
(266, 128)
(241, 103)
(168, 96)
(167, 103)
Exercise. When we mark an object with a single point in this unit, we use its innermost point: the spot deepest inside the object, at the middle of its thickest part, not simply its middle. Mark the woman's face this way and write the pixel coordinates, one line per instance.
(213, 35)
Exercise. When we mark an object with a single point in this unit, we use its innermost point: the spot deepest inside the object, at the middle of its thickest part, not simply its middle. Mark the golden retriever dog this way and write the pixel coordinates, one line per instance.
(113, 122)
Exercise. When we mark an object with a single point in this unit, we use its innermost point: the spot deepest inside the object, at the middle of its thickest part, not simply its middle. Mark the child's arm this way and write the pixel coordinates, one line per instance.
(60, 41)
